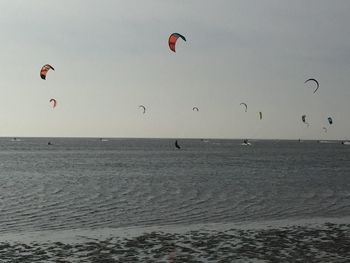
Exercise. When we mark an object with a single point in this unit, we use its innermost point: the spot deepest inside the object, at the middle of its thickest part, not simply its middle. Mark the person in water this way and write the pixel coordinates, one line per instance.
(177, 145)
(245, 141)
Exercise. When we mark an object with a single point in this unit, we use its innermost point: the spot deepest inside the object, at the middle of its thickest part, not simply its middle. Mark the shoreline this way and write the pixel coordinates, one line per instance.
(76, 235)
(313, 240)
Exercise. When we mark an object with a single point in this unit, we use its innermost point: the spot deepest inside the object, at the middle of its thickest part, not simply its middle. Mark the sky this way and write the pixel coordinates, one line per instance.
(111, 56)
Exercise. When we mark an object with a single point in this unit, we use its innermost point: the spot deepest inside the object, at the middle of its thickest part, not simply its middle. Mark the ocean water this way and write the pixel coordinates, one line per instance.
(89, 184)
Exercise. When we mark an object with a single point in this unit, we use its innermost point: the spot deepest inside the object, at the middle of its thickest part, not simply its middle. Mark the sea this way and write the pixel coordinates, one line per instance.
(144, 200)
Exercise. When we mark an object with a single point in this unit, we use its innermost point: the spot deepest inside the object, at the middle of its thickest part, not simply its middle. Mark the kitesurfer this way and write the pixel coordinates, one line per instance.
(177, 145)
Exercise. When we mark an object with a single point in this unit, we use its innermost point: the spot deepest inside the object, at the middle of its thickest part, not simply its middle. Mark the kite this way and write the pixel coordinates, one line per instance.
(53, 103)
(303, 118)
(314, 80)
(172, 40)
(44, 70)
(245, 105)
(144, 108)
(330, 120)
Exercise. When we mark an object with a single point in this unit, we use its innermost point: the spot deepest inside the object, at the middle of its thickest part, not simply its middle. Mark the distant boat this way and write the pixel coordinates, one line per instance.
(345, 143)
(103, 140)
(49, 143)
(15, 140)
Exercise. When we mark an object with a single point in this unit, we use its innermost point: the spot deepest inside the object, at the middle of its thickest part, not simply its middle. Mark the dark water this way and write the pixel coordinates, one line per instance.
(88, 184)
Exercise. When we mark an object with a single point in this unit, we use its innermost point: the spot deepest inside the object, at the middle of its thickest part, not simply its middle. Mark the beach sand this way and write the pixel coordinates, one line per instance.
(327, 242)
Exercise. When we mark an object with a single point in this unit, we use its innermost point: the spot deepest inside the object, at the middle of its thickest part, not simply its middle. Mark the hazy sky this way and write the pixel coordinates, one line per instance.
(111, 56)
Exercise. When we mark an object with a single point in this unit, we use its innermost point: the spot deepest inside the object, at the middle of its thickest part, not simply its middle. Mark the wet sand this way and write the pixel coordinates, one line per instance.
(327, 242)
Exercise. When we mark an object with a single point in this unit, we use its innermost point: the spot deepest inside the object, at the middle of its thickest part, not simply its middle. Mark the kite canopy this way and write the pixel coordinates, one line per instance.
(172, 40)
(143, 108)
(260, 115)
(177, 145)
(330, 120)
(245, 105)
(303, 118)
(53, 103)
(315, 81)
(44, 70)
(195, 108)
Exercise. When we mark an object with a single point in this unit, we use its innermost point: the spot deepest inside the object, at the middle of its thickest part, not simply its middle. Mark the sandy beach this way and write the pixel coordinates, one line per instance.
(272, 242)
